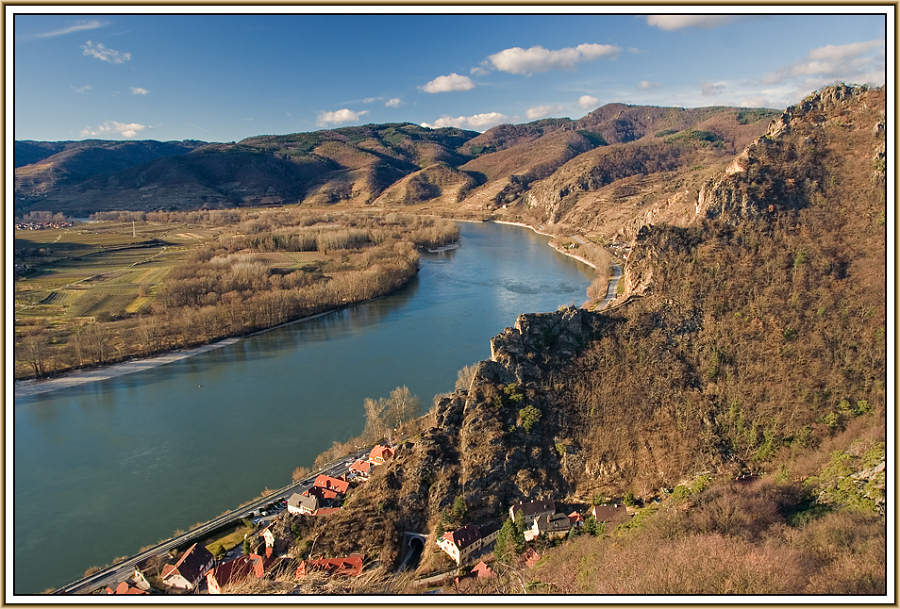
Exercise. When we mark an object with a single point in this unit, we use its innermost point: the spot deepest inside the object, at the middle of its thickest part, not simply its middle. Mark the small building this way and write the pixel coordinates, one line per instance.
(576, 519)
(345, 565)
(532, 510)
(361, 468)
(554, 526)
(380, 454)
(125, 588)
(465, 542)
(269, 539)
(482, 570)
(234, 571)
(302, 504)
(328, 483)
(186, 573)
(610, 513)
(324, 494)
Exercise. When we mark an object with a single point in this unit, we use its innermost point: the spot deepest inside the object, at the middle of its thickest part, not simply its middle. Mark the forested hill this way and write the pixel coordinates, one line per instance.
(750, 345)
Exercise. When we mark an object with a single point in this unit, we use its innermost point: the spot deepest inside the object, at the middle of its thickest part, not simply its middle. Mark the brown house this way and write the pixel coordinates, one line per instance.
(361, 468)
(234, 571)
(532, 510)
(185, 573)
(611, 513)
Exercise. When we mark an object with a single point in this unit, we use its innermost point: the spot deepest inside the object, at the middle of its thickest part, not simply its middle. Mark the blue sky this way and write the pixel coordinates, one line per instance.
(226, 77)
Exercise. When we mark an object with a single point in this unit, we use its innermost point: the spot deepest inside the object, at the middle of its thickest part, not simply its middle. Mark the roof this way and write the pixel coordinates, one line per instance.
(326, 511)
(379, 451)
(361, 466)
(303, 501)
(334, 484)
(575, 517)
(556, 522)
(463, 536)
(345, 565)
(531, 508)
(610, 512)
(482, 570)
(191, 564)
(238, 569)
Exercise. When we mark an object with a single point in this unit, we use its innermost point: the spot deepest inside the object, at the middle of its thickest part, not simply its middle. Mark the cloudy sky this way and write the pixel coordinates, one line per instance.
(226, 77)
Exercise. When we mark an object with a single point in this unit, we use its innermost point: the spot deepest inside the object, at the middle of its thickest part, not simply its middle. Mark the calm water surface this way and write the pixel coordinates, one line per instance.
(105, 468)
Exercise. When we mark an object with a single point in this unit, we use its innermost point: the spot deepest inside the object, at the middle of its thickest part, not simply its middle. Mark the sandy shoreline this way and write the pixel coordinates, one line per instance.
(562, 251)
(30, 387)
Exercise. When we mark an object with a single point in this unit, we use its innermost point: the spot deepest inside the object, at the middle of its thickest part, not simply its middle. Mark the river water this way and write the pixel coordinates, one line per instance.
(105, 468)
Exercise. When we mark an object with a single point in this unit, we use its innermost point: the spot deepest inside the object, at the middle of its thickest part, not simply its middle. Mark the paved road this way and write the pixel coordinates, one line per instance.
(111, 576)
(611, 287)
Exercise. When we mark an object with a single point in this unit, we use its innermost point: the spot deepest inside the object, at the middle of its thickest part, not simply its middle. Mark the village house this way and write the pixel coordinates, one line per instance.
(610, 513)
(185, 573)
(347, 565)
(302, 504)
(361, 468)
(532, 510)
(335, 485)
(554, 526)
(125, 588)
(269, 539)
(326, 511)
(234, 571)
(465, 542)
(380, 454)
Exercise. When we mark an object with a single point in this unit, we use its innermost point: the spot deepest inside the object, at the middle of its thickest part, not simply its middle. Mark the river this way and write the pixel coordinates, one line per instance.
(107, 467)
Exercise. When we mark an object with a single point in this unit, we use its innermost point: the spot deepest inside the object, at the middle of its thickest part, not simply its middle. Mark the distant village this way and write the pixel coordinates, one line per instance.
(263, 554)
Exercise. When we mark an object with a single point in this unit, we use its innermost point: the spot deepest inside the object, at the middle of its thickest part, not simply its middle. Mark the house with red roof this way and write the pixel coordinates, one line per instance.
(346, 565)
(576, 519)
(379, 454)
(328, 483)
(234, 571)
(186, 573)
(361, 468)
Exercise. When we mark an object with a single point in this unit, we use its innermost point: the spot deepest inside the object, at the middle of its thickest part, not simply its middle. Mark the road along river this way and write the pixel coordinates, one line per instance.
(106, 467)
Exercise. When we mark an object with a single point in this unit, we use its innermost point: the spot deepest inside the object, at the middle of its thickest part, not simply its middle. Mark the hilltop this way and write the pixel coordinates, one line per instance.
(539, 170)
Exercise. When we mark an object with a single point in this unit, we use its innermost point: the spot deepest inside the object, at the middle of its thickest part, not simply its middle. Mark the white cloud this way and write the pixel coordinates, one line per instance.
(517, 60)
(139, 91)
(103, 53)
(537, 112)
(478, 71)
(854, 62)
(711, 89)
(588, 101)
(450, 82)
(79, 26)
(344, 115)
(646, 85)
(114, 128)
(677, 22)
(82, 88)
(479, 122)
(369, 100)
(393, 102)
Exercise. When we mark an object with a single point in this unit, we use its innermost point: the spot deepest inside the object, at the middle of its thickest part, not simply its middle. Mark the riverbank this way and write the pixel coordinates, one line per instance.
(558, 248)
(29, 387)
